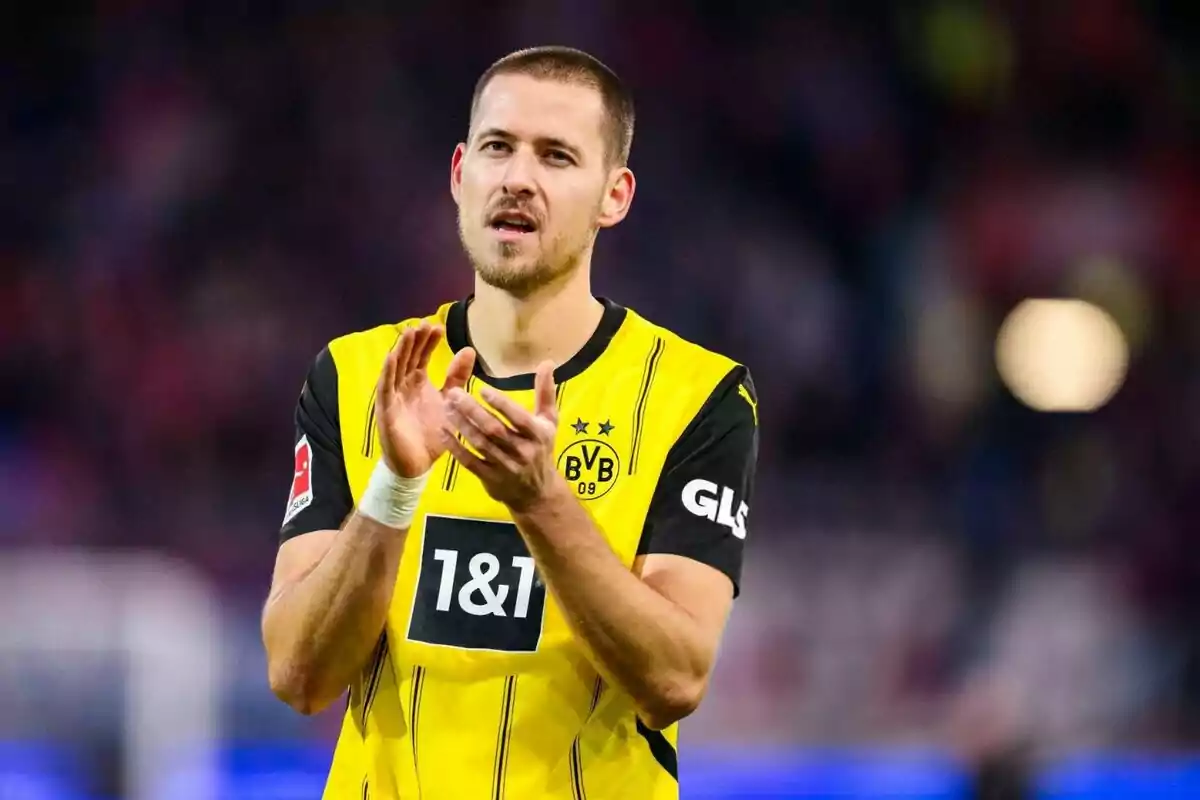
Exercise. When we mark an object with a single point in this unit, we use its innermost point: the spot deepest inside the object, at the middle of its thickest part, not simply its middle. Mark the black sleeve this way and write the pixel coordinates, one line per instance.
(320, 498)
(702, 502)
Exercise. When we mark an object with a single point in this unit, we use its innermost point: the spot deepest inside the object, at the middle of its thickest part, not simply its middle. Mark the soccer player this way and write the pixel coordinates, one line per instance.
(515, 527)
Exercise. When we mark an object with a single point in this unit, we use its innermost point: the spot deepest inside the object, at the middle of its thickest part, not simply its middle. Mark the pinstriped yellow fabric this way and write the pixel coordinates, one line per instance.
(478, 688)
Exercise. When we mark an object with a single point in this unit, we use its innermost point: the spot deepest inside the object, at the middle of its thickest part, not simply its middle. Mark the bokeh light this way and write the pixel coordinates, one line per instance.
(1061, 355)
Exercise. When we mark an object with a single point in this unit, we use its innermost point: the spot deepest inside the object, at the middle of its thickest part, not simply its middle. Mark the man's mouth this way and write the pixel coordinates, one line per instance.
(514, 222)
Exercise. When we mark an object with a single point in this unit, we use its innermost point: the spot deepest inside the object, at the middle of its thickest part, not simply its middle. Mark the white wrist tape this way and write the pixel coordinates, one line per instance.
(391, 500)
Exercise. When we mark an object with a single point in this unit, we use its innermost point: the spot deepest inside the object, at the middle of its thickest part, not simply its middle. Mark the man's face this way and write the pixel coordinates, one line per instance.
(532, 182)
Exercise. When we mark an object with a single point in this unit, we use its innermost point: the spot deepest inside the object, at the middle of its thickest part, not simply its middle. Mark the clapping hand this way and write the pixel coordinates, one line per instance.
(409, 410)
(515, 446)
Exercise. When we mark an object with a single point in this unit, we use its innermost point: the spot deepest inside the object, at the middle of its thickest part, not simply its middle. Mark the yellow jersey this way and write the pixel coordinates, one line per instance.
(478, 688)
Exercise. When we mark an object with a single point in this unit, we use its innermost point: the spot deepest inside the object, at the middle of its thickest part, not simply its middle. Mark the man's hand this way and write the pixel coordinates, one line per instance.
(515, 447)
(409, 411)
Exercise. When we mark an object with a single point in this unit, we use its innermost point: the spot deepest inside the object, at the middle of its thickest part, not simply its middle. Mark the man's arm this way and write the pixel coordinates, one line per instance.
(331, 589)
(654, 636)
(329, 600)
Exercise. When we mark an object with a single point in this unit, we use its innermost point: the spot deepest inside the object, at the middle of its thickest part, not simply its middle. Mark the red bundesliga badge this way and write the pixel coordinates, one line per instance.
(300, 483)
(301, 495)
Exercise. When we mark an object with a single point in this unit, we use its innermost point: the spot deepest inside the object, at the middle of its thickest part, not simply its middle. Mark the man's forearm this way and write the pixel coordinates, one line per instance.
(320, 629)
(638, 638)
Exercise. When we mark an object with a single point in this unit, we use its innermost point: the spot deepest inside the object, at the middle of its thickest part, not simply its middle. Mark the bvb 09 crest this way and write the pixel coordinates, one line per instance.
(591, 467)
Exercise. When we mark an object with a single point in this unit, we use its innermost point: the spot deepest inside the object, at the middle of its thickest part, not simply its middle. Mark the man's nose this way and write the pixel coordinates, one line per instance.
(518, 177)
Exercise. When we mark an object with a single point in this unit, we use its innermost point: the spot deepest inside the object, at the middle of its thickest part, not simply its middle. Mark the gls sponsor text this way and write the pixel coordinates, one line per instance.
(707, 499)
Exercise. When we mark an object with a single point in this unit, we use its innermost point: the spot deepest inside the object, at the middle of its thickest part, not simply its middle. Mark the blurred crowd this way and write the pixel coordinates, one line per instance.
(848, 197)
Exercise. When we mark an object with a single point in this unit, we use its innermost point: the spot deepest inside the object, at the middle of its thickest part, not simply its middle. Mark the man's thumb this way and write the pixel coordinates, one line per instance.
(544, 389)
(460, 369)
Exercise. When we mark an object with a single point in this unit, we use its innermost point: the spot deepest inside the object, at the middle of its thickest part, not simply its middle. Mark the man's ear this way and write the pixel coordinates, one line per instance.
(456, 162)
(619, 197)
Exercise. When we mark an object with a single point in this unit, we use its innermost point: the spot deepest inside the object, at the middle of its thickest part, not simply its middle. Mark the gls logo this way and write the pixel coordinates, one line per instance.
(700, 497)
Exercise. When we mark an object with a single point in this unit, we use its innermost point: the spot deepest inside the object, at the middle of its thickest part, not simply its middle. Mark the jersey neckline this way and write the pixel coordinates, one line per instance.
(458, 336)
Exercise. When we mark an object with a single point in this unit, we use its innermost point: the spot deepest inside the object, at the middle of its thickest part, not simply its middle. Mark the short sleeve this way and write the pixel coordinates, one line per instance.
(701, 505)
(320, 497)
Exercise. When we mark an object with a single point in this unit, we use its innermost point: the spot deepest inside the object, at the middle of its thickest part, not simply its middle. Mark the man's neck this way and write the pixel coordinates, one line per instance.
(512, 335)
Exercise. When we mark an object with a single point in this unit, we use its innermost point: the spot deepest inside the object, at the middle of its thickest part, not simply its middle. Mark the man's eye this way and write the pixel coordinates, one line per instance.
(558, 156)
(495, 146)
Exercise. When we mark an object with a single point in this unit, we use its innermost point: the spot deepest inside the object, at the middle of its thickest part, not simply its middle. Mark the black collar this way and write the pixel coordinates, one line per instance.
(458, 336)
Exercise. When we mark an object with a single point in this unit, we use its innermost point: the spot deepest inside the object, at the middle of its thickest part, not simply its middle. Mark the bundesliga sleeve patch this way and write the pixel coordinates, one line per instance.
(301, 496)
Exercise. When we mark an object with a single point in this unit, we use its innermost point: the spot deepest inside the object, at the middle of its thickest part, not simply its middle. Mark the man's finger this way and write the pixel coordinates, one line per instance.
(387, 377)
(467, 412)
(544, 391)
(497, 452)
(431, 343)
(420, 335)
(459, 370)
(513, 412)
(462, 455)
(403, 349)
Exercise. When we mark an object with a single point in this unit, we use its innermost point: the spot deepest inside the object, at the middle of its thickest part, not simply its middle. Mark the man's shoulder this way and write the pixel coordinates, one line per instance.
(370, 345)
(676, 352)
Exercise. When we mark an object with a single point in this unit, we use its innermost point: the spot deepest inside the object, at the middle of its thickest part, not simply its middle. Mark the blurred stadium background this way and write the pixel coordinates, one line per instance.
(972, 569)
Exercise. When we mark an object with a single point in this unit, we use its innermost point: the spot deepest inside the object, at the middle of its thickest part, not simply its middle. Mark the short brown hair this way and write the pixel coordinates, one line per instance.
(568, 65)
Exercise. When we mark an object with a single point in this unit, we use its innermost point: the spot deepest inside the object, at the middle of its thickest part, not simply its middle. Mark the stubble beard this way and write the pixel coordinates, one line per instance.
(519, 280)
(503, 270)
